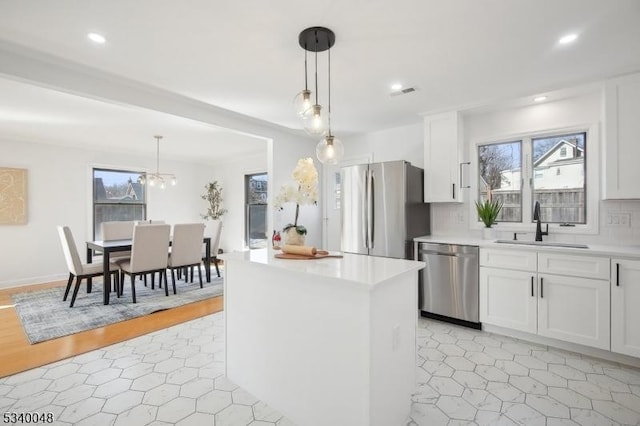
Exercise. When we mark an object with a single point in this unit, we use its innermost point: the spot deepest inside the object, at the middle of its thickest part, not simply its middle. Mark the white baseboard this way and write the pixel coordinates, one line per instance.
(567, 346)
(33, 280)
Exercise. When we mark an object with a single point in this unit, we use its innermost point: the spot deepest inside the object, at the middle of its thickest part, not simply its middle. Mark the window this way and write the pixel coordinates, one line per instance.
(256, 211)
(561, 195)
(553, 166)
(117, 195)
(500, 165)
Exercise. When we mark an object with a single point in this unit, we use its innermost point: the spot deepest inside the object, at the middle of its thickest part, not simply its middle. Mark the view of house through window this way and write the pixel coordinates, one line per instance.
(555, 170)
(559, 182)
(256, 210)
(117, 195)
(500, 169)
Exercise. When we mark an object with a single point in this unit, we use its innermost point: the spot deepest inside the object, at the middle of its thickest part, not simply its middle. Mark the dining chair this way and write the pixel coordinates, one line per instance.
(118, 230)
(186, 250)
(149, 250)
(214, 230)
(77, 269)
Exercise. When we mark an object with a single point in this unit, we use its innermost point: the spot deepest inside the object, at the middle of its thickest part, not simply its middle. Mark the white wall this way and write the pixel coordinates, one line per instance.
(230, 176)
(398, 143)
(59, 193)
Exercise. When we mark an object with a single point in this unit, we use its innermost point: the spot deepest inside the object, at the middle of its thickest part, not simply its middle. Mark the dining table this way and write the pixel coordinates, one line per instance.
(114, 246)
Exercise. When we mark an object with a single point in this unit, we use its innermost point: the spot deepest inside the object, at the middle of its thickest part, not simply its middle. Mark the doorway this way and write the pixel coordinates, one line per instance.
(256, 210)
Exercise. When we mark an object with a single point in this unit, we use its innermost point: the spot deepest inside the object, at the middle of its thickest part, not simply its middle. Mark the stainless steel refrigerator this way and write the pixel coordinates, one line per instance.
(383, 209)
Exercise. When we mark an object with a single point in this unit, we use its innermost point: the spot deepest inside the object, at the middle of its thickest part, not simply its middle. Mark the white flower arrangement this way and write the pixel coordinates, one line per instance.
(304, 193)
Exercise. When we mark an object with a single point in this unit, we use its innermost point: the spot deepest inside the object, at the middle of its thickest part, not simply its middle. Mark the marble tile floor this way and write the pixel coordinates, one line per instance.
(464, 377)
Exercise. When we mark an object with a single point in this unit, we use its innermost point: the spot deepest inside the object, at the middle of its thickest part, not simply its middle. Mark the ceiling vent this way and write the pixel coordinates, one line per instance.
(403, 91)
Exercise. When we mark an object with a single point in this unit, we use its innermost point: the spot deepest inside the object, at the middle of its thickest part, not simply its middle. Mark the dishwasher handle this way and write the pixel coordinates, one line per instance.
(439, 253)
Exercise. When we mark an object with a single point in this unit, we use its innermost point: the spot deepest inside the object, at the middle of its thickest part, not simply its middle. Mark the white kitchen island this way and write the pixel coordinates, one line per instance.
(325, 341)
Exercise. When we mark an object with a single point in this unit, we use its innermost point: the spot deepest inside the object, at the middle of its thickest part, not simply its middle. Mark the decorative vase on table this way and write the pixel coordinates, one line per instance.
(294, 235)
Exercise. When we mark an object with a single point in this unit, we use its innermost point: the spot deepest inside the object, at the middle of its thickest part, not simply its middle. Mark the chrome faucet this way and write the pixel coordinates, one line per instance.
(536, 217)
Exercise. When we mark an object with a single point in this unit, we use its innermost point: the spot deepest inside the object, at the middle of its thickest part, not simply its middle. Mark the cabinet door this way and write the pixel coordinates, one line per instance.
(442, 153)
(508, 299)
(574, 310)
(622, 130)
(625, 316)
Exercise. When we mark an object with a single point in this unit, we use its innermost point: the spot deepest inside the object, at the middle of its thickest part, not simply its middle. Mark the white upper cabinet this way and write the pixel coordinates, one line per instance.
(622, 138)
(444, 169)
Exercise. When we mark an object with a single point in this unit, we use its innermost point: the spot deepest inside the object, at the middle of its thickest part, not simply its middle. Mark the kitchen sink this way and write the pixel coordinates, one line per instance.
(543, 244)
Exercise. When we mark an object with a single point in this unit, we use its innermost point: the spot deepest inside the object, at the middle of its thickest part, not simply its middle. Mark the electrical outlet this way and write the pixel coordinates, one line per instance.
(619, 220)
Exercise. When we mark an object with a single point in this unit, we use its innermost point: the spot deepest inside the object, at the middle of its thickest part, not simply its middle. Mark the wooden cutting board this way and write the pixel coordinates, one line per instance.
(320, 254)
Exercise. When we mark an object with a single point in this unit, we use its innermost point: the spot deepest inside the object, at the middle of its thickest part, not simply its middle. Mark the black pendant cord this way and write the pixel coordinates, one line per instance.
(316, 65)
(329, 91)
(305, 70)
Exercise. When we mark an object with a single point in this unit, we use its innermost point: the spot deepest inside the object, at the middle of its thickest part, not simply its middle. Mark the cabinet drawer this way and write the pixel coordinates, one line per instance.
(509, 259)
(574, 265)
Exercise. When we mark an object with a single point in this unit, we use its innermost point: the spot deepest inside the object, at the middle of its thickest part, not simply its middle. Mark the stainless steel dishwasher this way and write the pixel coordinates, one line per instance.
(449, 287)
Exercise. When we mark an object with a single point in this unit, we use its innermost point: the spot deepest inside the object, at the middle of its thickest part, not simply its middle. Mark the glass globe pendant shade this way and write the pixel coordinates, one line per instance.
(302, 103)
(174, 181)
(329, 150)
(315, 123)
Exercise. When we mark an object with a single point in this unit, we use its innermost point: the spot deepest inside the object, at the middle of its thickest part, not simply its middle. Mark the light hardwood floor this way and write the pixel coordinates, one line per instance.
(17, 354)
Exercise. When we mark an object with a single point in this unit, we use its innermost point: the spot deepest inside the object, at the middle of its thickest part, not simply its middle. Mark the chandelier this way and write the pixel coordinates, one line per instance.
(157, 178)
(306, 104)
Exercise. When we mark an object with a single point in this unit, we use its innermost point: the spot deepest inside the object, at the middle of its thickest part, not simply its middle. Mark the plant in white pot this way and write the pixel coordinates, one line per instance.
(304, 192)
(488, 212)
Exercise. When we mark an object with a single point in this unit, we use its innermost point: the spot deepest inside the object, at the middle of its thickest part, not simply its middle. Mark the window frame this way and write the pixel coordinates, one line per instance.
(93, 204)
(592, 179)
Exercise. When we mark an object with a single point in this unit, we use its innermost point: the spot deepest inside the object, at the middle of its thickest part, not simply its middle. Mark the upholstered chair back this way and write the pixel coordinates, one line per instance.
(70, 250)
(149, 247)
(186, 247)
(117, 230)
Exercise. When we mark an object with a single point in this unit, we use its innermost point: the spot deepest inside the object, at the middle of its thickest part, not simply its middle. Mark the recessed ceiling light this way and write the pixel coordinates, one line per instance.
(97, 38)
(540, 98)
(569, 38)
(396, 86)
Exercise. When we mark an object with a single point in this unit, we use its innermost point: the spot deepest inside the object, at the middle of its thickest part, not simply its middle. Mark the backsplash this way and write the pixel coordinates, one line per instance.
(619, 224)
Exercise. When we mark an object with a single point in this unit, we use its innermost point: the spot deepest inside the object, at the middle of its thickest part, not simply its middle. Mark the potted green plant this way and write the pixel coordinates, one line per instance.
(213, 196)
(488, 212)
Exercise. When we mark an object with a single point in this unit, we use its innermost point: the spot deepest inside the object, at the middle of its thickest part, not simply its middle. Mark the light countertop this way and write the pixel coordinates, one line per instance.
(359, 269)
(625, 251)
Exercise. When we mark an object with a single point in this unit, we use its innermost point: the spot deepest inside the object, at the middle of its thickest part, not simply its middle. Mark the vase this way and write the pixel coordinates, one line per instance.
(292, 237)
(488, 234)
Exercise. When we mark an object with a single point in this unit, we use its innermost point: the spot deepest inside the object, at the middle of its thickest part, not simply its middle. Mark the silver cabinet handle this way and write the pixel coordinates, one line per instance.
(462, 186)
(541, 287)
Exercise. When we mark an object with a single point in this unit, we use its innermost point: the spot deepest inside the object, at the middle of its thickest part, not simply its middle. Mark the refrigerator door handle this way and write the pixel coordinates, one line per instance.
(370, 214)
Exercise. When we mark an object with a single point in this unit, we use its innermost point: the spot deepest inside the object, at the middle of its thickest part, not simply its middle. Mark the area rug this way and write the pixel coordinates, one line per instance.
(45, 316)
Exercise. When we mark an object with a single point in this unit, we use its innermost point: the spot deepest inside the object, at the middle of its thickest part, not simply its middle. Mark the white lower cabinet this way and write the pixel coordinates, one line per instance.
(570, 304)
(574, 309)
(625, 315)
(508, 299)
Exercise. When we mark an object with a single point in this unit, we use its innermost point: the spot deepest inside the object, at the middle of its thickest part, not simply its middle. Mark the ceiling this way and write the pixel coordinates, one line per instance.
(244, 56)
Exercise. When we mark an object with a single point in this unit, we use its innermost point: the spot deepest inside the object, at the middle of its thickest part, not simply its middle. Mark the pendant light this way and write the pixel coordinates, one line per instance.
(330, 149)
(317, 120)
(315, 39)
(302, 102)
(157, 178)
